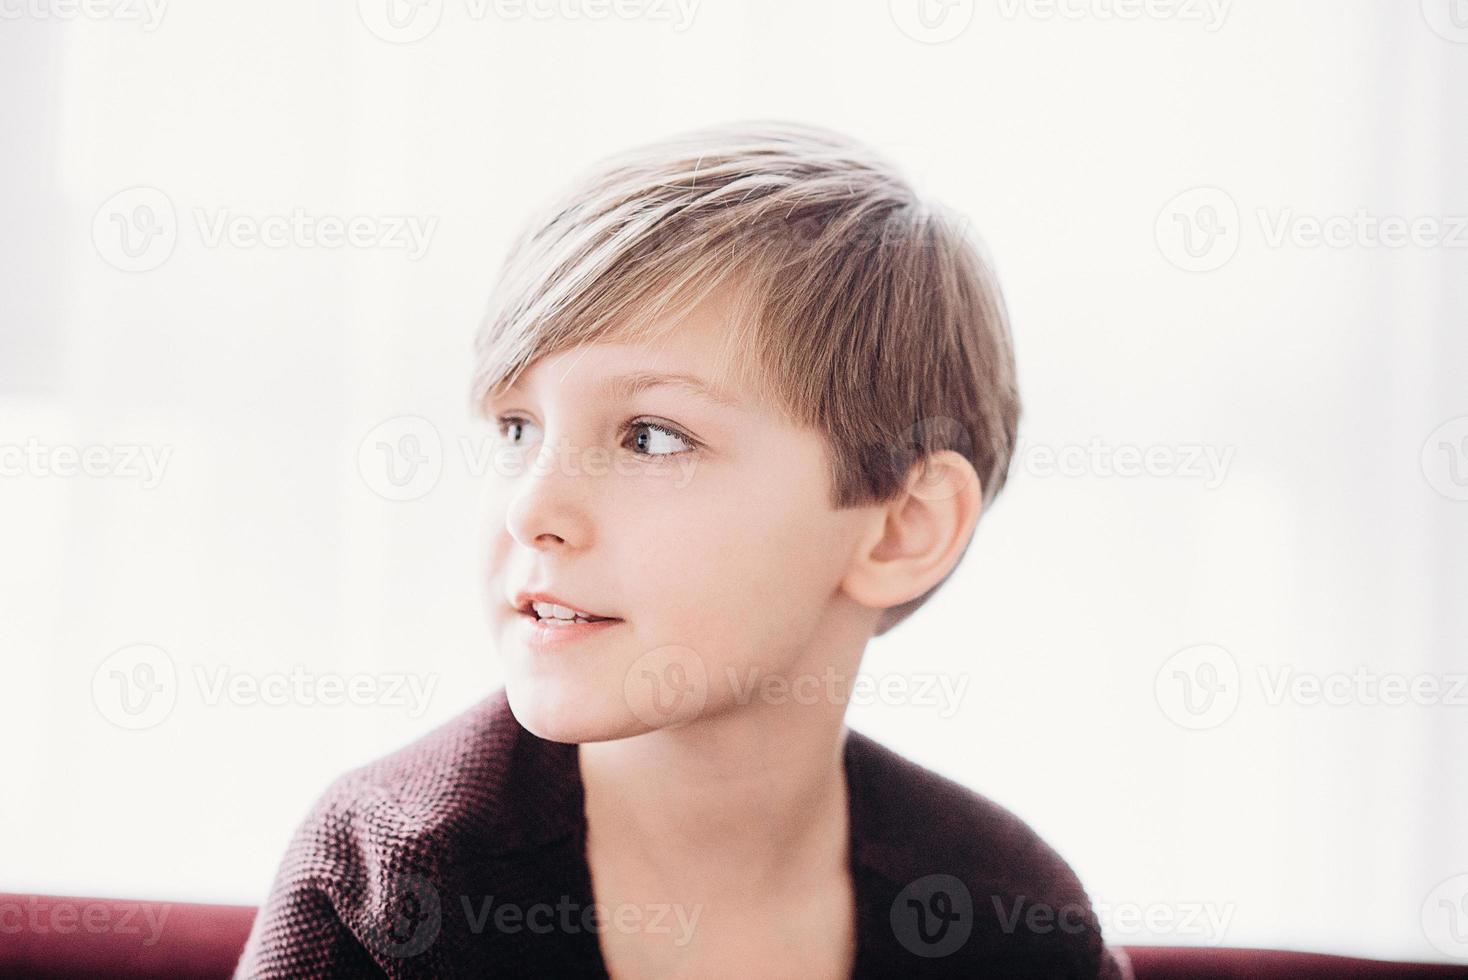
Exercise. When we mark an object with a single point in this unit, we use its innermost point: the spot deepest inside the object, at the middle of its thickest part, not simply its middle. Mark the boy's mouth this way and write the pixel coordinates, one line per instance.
(547, 609)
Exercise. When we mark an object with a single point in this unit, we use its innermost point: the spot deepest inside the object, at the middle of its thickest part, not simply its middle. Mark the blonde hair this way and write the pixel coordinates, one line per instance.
(860, 310)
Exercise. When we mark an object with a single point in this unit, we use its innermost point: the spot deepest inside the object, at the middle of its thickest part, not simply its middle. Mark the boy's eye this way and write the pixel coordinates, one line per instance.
(508, 424)
(650, 439)
(643, 437)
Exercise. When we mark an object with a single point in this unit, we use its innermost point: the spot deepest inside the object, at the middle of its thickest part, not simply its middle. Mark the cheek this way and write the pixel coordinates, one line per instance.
(741, 573)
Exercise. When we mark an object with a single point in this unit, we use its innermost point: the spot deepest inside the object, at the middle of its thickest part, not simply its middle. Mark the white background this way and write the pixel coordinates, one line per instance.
(1332, 543)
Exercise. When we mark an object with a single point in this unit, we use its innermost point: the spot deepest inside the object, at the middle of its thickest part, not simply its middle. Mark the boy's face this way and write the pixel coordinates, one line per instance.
(709, 538)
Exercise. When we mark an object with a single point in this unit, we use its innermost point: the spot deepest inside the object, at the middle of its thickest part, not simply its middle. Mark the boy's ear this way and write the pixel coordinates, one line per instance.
(917, 537)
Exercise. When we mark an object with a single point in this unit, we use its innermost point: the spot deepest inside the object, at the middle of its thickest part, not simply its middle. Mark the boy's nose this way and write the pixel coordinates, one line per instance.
(549, 510)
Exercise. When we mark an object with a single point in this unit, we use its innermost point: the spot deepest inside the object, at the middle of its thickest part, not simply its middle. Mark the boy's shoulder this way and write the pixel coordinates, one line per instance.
(996, 850)
(965, 879)
(460, 784)
(373, 871)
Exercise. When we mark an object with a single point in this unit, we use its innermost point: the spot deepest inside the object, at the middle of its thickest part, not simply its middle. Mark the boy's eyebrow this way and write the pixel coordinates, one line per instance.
(627, 385)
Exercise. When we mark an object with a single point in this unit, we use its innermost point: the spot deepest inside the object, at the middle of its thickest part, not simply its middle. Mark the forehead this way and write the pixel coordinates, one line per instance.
(606, 382)
(696, 351)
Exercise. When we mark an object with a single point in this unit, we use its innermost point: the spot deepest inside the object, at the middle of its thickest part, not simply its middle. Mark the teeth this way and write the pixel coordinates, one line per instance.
(552, 612)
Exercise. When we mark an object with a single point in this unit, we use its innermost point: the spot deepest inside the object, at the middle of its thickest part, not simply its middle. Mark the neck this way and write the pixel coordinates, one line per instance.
(745, 801)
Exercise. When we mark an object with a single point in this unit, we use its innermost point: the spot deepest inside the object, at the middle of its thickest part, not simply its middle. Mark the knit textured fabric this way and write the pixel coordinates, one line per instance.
(464, 855)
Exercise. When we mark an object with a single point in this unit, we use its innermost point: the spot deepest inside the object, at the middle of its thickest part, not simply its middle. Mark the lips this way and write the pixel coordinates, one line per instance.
(525, 604)
(547, 634)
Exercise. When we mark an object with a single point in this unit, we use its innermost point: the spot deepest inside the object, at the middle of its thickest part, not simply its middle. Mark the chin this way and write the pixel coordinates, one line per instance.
(585, 695)
(558, 711)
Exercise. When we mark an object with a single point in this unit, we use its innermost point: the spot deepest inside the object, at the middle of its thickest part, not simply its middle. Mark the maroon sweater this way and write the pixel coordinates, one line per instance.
(464, 855)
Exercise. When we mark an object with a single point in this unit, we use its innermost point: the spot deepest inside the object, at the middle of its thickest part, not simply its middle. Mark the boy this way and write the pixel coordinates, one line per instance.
(750, 395)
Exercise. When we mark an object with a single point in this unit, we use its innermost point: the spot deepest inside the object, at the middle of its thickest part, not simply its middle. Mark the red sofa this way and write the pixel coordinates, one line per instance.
(48, 936)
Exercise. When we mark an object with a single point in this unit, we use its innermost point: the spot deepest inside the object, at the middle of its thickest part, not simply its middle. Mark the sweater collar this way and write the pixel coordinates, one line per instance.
(546, 799)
